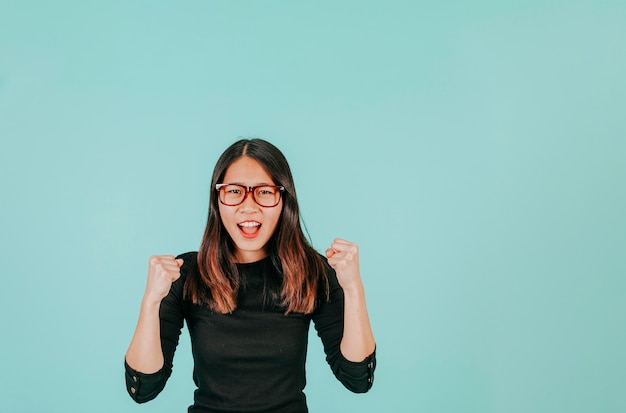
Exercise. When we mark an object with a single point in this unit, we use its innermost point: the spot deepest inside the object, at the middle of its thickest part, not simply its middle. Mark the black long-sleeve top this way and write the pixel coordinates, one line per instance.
(252, 360)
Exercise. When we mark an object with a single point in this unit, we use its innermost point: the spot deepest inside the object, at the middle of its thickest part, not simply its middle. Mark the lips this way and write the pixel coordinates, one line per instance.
(249, 229)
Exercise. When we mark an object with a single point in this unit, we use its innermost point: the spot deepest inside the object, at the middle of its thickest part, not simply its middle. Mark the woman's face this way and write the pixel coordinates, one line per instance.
(249, 225)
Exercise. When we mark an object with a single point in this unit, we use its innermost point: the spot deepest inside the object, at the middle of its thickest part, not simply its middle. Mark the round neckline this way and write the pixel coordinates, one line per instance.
(253, 263)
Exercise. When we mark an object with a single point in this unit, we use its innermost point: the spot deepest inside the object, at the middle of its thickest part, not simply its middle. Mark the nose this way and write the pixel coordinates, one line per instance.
(248, 204)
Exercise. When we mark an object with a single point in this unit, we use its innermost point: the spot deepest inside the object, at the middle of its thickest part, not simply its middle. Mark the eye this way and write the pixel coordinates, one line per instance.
(266, 190)
(233, 190)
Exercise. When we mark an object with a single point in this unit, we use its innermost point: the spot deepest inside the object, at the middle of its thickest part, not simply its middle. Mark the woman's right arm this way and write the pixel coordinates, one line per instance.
(144, 357)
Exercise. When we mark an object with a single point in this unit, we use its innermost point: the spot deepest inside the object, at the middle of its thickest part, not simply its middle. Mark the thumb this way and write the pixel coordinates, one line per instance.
(330, 252)
(179, 261)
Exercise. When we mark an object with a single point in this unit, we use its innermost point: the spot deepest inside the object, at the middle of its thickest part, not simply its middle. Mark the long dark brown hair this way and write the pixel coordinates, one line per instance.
(303, 270)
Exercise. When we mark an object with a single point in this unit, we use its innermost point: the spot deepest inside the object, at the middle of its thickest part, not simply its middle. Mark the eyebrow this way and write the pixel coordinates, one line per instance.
(258, 184)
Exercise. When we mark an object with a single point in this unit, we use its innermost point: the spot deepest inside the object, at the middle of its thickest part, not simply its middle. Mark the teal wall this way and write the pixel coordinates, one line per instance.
(474, 150)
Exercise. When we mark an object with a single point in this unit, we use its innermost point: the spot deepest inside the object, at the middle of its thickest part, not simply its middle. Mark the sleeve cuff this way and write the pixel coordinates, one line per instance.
(143, 387)
(360, 371)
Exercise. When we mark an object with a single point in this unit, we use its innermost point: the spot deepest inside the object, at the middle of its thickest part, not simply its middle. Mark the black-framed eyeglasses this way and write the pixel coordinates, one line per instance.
(265, 195)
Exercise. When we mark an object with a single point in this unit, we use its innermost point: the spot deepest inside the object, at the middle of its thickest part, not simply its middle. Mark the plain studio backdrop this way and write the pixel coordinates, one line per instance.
(474, 150)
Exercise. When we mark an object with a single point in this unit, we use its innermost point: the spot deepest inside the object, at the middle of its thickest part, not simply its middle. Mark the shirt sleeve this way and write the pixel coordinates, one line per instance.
(144, 387)
(357, 377)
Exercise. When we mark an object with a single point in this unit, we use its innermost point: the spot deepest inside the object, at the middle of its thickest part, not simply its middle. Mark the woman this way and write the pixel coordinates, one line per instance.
(248, 296)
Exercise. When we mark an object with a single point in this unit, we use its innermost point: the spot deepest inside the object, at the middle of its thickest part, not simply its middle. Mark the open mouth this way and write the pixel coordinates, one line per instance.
(249, 229)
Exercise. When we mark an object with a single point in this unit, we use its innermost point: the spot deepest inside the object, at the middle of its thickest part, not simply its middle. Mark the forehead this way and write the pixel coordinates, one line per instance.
(248, 171)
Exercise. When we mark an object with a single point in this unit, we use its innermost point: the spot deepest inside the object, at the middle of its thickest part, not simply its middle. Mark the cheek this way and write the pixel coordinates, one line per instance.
(225, 216)
(276, 218)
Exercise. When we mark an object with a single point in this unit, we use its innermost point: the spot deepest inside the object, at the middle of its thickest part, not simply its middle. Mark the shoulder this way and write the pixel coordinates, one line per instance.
(189, 267)
(174, 301)
(330, 284)
(188, 256)
(190, 261)
(328, 270)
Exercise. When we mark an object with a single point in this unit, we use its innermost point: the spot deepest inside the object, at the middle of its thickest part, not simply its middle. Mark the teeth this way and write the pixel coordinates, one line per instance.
(249, 224)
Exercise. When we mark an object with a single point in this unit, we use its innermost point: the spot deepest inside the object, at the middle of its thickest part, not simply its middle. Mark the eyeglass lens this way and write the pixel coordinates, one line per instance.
(266, 196)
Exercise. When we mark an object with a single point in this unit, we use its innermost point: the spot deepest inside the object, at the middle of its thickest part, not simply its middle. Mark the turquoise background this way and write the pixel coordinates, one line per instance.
(474, 150)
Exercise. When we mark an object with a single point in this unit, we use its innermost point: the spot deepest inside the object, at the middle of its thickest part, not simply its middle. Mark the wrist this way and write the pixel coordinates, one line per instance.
(354, 290)
(149, 303)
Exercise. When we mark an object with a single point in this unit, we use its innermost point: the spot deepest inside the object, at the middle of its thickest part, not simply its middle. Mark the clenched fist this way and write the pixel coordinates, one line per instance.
(343, 256)
(163, 270)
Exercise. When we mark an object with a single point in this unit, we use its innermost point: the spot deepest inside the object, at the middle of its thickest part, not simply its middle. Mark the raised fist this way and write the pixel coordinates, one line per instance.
(163, 270)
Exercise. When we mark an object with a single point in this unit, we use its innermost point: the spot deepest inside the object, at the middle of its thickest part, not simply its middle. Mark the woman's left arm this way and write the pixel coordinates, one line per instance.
(357, 342)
